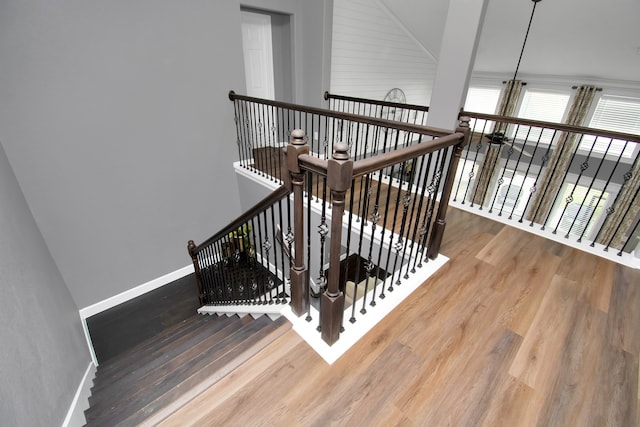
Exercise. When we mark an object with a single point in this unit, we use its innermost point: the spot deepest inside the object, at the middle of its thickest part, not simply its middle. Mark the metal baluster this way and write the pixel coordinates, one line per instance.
(432, 189)
(352, 319)
(583, 167)
(526, 175)
(363, 214)
(283, 293)
(414, 216)
(421, 227)
(478, 147)
(627, 176)
(569, 199)
(399, 243)
(633, 232)
(323, 230)
(510, 152)
(604, 190)
(309, 190)
(274, 277)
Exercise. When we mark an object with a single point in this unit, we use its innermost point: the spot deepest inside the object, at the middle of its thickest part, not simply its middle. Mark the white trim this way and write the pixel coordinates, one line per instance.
(626, 259)
(80, 403)
(135, 292)
(254, 310)
(125, 296)
(353, 332)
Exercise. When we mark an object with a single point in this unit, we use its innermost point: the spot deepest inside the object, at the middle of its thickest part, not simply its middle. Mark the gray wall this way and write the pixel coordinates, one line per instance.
(115, 118)
(44, 355)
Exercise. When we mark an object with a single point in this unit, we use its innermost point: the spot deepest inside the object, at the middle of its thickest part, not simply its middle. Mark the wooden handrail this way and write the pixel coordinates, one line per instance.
(328, 96)
(557, 126)
(408, 127)
(263, 204)
(380, 161)
(375, 163)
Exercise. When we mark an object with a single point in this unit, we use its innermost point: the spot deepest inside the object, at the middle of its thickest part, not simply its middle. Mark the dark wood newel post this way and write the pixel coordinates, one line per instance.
(441, 220)
(191, 247)
(298, 272)
(339, 175)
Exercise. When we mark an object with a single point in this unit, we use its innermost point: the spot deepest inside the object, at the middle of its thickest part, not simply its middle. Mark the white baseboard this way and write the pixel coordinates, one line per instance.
(80, 403)
(125, 296)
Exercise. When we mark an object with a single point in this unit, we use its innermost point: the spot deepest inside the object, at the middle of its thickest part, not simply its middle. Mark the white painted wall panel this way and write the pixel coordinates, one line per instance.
(372, 54)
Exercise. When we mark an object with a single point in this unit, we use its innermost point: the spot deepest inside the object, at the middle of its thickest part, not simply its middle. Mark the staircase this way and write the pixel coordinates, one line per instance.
(156, 377)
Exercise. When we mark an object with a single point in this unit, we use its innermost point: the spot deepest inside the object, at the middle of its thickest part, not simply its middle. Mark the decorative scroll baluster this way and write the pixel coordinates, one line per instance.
(398, 245)
(309, 196)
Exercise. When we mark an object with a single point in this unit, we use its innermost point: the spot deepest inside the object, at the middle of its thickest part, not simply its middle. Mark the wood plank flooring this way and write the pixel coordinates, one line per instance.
(515, 330)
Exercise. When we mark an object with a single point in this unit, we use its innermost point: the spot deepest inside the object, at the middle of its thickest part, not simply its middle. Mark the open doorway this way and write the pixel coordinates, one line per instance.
(267, 52)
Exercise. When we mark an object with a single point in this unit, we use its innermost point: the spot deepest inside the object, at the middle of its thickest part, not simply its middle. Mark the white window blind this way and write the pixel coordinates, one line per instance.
(544, 106)
(618, 114)
(481, 100)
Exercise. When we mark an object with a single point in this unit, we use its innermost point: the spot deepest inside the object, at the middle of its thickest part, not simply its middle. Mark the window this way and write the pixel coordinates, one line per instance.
(618, 114)
(578, 209)
(512, 195)
(481, 100)
(541, 105)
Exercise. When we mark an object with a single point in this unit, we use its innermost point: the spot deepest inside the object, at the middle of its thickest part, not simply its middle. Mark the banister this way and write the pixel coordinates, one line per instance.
(375, 163)
(556, 126)
(408, 127)
(263, 204)
(328, 96)
(380, 161)
(313, 164)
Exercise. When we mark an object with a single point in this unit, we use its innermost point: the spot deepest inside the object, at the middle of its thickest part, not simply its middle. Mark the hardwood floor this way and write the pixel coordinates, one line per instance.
(515, 330)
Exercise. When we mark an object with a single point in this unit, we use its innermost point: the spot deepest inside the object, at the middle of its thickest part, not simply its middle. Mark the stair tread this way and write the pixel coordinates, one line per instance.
(133, 398)
(152, 365)
(174, 393)
(134, 359)
(166, 335)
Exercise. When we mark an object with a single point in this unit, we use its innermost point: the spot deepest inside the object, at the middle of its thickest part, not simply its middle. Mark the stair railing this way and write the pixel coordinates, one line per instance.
(412, 209)
(578, 185)
(239, 264)
(401, 112)
(263, 129)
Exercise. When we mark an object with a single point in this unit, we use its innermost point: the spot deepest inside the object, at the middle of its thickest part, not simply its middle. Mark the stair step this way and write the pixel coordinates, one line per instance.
(207, 375)
(167, 335)
(156, 350)
(172, 367)
(154, 365)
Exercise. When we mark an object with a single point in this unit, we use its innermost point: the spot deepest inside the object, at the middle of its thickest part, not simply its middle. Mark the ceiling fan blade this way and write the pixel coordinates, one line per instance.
(524, 152)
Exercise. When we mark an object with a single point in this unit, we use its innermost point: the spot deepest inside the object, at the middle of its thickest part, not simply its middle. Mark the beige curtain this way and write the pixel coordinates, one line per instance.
(625, 210)
(490, 164)
(552, 179)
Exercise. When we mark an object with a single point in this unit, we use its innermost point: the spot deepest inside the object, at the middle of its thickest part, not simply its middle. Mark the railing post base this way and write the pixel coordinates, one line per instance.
(438, 232)
(299, 291)
(331, 312)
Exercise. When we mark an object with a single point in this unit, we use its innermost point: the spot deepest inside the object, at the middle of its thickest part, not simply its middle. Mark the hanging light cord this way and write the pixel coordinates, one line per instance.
(524, 43)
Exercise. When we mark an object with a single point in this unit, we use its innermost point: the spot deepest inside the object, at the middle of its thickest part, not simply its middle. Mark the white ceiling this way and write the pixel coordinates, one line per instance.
(592, 39)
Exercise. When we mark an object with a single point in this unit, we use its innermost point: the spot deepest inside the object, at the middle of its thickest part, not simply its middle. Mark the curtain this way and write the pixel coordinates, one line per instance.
(552, 179)
(621, 215)
(489, 166)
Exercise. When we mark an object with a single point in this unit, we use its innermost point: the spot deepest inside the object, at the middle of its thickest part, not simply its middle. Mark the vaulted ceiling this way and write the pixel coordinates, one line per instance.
(574, 38)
